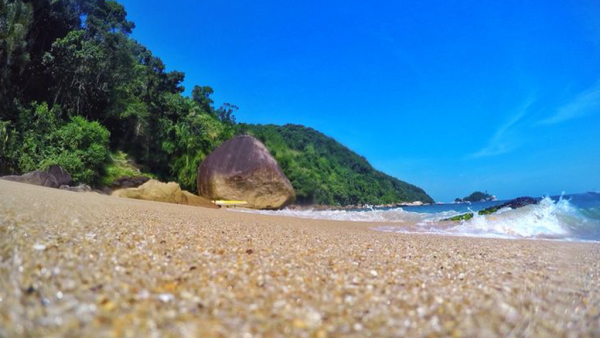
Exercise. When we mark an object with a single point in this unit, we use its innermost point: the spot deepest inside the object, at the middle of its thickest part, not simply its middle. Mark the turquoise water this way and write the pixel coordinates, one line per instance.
(569, 217)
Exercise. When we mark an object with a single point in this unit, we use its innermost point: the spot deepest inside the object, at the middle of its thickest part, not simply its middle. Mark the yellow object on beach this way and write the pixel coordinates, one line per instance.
(230, 203)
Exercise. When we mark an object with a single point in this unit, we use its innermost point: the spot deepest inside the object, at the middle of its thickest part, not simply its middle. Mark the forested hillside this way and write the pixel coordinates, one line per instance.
(325, 172)
(74, 87)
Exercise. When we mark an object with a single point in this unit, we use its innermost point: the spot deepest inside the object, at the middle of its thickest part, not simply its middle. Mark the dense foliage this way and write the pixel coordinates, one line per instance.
(74, 84)
(325, 172)
(78, 145)
(121, 166)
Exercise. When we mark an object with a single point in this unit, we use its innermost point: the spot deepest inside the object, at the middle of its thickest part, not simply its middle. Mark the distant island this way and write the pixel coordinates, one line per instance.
(477, 196)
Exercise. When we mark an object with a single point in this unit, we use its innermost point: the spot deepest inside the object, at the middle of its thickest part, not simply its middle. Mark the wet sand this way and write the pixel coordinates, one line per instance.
(87, 265)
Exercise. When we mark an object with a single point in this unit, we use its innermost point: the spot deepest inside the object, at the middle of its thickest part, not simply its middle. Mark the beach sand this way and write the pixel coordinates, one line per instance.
(87, 265)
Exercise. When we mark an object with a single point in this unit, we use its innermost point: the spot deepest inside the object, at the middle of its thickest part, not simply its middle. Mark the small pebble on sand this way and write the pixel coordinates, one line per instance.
(39, 247)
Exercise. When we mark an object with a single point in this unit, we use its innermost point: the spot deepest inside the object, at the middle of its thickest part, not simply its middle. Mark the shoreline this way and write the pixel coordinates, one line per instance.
(407, 225)
(83, 264)
(320, 207)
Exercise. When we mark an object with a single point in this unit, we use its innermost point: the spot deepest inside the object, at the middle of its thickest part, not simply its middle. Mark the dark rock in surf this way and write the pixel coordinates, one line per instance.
(243, 169)
(513, 204)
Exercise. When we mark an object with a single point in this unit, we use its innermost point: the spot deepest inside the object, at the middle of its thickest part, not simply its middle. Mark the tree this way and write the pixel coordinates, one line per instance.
(201, 95)
(52, 20)
(81, 73)
(225, 114)
(107, 17)
(15, 20)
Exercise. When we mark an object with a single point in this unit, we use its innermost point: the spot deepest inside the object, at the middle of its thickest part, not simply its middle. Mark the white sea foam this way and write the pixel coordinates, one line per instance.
(542, 220)
(396, 215)
(548, 219)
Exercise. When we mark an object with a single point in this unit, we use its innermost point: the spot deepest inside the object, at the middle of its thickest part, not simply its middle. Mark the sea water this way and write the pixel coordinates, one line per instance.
(568, 217)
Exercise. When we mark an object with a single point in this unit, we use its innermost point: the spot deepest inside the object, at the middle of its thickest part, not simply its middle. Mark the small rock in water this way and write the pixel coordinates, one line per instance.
(39, 247)
(374, 273)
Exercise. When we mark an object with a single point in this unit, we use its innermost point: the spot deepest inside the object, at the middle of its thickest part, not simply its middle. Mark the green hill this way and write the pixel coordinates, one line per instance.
(325, 172)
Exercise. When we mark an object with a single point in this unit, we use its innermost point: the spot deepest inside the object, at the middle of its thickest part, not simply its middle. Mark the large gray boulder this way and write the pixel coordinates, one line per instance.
(243, 169)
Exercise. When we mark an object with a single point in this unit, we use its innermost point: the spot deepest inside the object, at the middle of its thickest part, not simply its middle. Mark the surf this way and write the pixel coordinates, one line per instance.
(570, 218)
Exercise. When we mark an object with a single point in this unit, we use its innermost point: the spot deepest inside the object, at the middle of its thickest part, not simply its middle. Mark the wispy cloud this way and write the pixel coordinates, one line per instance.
(585, 103)
(509, 135)
(505, 139)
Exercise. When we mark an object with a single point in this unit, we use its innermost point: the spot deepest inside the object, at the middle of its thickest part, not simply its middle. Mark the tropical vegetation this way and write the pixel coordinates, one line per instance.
(76, 90)
(74, 87)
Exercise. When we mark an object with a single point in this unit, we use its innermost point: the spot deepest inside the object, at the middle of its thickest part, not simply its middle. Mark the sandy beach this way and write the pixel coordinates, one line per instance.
(88, 265)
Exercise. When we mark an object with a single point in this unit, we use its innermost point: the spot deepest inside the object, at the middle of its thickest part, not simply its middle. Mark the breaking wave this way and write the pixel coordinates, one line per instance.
(574, 217)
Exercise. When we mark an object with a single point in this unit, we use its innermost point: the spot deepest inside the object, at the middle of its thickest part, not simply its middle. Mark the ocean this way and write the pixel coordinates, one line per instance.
(568, 217)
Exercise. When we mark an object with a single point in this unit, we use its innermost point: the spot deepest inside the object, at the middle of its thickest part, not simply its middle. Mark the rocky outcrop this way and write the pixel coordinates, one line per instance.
(128, 182)
(54, 177)
(154, 190)
(198, 201)
(61, 175)
(79, 188)
(37, 177)
(513, 204)
(243, 169)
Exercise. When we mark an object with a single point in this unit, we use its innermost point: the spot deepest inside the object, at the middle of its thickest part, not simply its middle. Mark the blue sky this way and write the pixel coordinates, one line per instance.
(453, 96)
